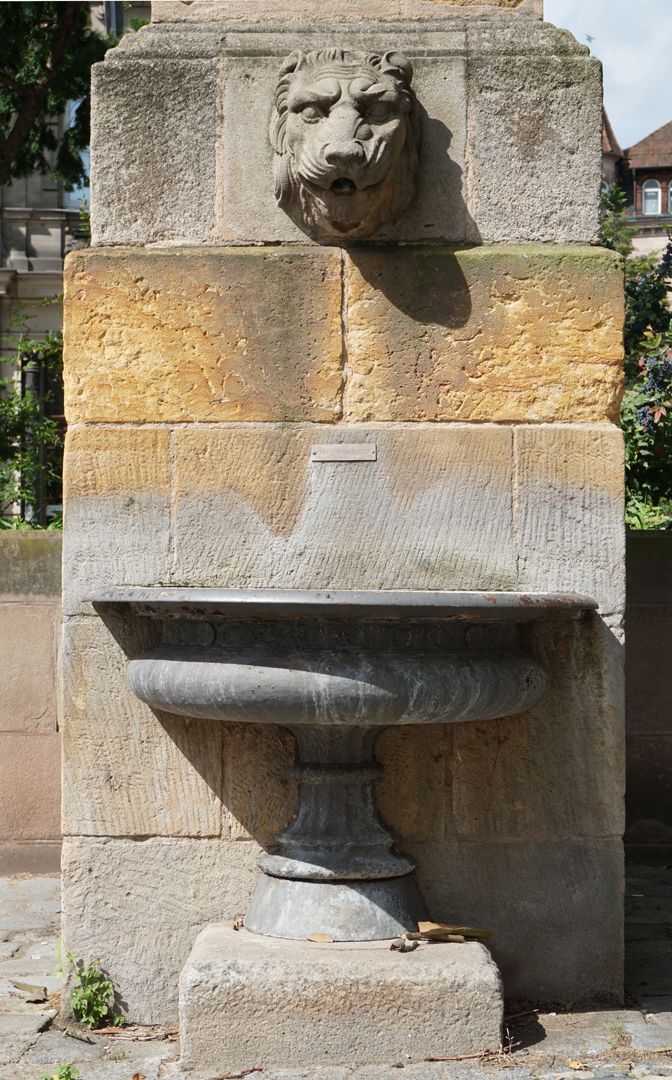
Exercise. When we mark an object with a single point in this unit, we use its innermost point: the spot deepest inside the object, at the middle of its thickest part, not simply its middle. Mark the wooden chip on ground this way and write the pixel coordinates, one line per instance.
(435, 931)
(320, 937)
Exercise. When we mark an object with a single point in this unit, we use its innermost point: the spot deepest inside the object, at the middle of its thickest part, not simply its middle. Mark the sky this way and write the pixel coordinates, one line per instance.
(634, 43)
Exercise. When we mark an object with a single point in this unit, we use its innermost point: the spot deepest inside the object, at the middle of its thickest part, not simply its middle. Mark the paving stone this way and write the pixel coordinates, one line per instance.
(56, 1046)
(95, 1070)
(28, 903)
(27, 969)
(13, 1002)
(587, 1034)
(652, 1031)
(14, 1047)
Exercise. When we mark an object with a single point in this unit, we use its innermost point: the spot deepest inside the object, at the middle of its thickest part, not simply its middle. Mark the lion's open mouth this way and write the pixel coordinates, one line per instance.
(343, 186)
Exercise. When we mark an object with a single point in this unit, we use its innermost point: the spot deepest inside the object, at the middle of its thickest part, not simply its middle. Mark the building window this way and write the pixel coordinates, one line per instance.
(78, 198)
(669, 197)
(651, 197)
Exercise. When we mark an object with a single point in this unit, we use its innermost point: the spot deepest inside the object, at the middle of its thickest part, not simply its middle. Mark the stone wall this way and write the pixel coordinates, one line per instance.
(649, 689)
(30, 620)
(483, 357)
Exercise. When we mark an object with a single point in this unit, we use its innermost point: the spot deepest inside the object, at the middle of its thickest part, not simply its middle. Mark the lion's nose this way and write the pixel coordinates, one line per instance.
(344, 153)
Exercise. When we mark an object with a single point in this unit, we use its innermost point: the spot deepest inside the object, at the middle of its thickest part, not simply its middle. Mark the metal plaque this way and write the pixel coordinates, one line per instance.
(344, 452)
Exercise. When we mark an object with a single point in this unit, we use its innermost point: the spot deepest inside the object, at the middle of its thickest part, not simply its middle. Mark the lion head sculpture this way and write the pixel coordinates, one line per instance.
(346, 131)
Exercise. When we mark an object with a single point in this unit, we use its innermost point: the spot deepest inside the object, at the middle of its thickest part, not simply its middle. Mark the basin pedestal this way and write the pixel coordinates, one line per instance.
(336, 871)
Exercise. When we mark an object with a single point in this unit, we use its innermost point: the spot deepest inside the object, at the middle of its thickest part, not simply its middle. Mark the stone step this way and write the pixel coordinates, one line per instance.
(248, 1001)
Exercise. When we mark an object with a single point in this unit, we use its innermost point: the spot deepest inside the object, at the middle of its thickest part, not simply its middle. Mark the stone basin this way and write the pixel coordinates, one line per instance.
(336, 668)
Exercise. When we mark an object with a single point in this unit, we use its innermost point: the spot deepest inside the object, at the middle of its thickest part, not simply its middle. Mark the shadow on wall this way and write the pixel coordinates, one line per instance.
(438, 210)
(533, 845)
(434, 293)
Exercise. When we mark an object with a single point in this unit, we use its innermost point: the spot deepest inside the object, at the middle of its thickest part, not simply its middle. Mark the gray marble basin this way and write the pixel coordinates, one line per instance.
(336, 667)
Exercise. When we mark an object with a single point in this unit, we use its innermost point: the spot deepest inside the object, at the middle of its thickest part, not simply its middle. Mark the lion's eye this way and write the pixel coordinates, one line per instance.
(311, 113)
(378, 113)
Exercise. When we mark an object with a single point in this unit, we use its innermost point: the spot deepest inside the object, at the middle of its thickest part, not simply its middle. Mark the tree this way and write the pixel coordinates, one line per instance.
(30, 439)
(46, 53)
(646, 410)
(616, 232)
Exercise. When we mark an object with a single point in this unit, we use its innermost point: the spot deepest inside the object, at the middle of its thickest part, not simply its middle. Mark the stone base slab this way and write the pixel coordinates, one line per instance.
(248, 1001)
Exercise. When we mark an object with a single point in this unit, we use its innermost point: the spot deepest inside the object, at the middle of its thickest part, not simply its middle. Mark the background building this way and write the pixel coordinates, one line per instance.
(644, 171)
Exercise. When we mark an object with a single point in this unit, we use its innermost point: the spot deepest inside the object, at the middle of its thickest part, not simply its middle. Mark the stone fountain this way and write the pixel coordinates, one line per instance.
(336, 668)
(354, 475)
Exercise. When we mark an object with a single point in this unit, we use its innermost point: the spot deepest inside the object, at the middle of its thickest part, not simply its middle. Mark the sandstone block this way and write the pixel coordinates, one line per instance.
(558, 772)
(33, 857)
(29, 646)
(495, 334)
(154, 130)
(140, 904)
(246, 999)
(555, 909)
(195, 336)
(414, 792)
(246, 11)
(29, 786)
(247, 209)
(433, 510)
(523, 97)
(535, 146)
(126, 770)
(260, 796)
(569, 511)
(117, 498)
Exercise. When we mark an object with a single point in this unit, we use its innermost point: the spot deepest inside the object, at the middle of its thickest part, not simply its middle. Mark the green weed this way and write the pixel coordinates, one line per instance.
(93, 995)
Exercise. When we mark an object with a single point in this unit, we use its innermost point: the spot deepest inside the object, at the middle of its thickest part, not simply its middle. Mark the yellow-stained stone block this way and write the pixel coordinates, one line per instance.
(434, 510)
(117, 484)
(487, 333)
(101, 461)
(568, 510)
(203, 335)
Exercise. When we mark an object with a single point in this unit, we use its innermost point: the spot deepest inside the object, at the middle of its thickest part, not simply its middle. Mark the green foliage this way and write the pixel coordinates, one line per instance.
(93, 995)
(30, 440)
(646, 412)
(616, 232)
(65, 1071)
(46, 53)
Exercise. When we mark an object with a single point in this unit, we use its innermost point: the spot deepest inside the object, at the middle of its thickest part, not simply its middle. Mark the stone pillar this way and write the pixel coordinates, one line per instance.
(211, 342)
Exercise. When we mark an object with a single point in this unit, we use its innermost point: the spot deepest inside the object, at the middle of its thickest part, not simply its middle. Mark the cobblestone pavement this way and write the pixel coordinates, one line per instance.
(607, 1044)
